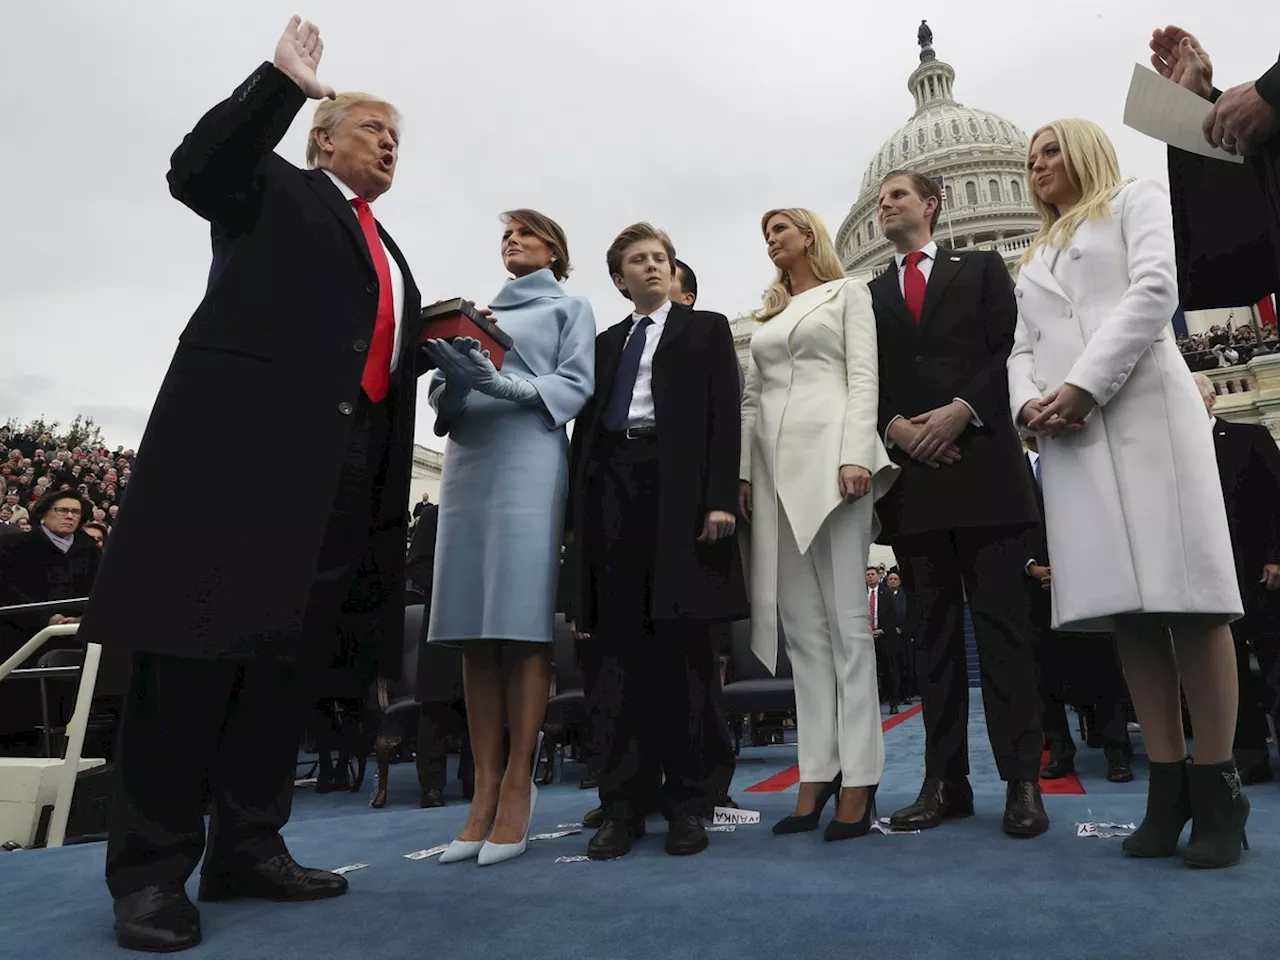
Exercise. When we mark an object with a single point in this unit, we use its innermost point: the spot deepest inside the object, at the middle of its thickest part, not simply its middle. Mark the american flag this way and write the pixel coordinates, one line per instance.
(942, 187)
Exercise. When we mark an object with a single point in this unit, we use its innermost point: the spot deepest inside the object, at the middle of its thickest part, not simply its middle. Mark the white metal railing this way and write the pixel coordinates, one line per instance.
(79, 721)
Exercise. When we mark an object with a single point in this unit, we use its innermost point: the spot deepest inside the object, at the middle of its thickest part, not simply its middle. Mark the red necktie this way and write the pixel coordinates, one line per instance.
(377, 369)
(913, 284)
(874, 624)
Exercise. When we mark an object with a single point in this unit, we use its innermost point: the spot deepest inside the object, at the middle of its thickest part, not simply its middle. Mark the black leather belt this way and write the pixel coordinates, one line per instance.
(634, 433)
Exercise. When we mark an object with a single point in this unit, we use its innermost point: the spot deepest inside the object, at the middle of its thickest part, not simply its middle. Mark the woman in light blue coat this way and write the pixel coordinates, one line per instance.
(502, 501)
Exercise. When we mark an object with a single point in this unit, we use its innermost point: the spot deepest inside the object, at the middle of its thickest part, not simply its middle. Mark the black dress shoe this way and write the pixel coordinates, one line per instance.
(157, 919)
(589, 783)
(594, 819)
(893, 710)
(1024, 814)
(686, 835)
(939, 800)
(1256, 773)
(615, 839)
(1119, 769)
(1059, 768)
(432, 798)
(279, 878)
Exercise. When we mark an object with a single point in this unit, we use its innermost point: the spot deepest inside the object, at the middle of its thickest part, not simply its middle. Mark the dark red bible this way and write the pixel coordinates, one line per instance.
(459, 318)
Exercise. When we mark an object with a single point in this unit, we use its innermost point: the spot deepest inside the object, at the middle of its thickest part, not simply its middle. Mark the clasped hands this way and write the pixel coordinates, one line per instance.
(1062, 411)
(930, 438)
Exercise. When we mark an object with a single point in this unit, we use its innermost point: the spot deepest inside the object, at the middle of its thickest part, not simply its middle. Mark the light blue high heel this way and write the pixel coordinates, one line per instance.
(490, 852)
(459, 850)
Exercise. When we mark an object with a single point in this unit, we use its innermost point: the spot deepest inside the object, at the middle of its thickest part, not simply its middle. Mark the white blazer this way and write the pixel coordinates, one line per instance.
(810, 407)
(1133, 503)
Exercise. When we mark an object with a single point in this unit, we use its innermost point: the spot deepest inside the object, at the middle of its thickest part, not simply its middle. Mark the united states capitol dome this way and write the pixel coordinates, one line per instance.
(980, 157)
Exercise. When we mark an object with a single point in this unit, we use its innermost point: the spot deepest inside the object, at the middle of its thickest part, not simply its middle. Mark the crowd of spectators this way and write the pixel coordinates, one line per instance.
(33, 464)
(1227, 346)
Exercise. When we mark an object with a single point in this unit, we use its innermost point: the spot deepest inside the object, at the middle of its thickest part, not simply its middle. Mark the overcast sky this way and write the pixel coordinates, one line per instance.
(697, 115)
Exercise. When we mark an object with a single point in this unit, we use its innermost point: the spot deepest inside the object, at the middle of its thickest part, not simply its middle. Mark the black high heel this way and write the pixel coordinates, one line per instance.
(843, 830)
(803, 824)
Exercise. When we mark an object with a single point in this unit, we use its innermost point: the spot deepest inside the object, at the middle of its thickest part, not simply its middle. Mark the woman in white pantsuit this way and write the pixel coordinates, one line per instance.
(812, 467)
(1134, 513)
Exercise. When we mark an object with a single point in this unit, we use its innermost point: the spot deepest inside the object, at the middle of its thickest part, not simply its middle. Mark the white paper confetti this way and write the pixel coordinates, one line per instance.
(722, 828)
(423, 854)
(882, 826)
(1102, 829)
(349, 867)
(572, 859)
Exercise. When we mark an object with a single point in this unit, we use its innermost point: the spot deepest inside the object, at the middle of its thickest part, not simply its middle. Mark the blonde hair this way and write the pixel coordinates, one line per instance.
(1091, 164)
(821, 254)
(330, 113)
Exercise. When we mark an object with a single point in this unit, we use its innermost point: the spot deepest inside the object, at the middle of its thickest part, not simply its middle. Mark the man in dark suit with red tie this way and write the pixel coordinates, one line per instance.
(957, 514)
(309, 330)
(1249, 467)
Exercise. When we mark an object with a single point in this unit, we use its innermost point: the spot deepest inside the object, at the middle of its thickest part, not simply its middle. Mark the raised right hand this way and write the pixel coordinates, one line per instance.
(298, 53)
(1178, 56)
(744, 499)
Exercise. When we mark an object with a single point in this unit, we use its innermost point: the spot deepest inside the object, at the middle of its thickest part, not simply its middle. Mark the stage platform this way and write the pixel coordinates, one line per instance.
(961, 891)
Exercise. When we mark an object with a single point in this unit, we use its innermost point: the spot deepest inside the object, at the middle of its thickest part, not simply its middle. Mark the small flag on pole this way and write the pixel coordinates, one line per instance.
(942, 187)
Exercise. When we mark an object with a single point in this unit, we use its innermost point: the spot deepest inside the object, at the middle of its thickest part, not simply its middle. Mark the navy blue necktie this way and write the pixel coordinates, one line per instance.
(615, 412)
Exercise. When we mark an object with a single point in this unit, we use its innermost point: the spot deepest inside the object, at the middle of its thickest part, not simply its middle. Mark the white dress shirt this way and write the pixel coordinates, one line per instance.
(641, 412)
(397, 278)
(925, 266)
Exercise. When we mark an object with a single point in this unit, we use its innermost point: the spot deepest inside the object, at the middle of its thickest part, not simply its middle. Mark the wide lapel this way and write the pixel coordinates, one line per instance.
(945, 267)
(676, 327)
(1039, 270)
(889, 293)
(333, 198)
(832, 287)
(608, 354)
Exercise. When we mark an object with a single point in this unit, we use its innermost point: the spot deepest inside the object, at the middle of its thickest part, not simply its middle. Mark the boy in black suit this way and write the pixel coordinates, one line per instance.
(653, 489)
(957, 514)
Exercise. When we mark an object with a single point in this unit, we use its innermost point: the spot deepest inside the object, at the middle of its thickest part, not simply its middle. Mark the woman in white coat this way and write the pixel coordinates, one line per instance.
(1133, 505)
(812, 467)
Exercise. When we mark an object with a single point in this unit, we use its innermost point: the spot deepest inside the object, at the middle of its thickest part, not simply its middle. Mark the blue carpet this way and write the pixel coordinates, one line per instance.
(962, 891)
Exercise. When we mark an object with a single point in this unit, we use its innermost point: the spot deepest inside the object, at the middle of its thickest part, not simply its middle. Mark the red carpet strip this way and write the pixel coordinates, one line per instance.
(1068, 785)
(789, 777)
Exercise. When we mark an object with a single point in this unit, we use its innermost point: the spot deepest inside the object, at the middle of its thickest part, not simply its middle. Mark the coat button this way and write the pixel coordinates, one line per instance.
(1068, 313)
(345, 408)
(919, 359)
(1074, 253)
(1038, 334)
(1018, 293)
(1040, 384)
(1115, 386)
(359, 346)
(371, 287)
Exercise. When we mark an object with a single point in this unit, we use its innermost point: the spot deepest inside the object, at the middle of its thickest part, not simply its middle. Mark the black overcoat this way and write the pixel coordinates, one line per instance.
(698, 417)
(272, 357)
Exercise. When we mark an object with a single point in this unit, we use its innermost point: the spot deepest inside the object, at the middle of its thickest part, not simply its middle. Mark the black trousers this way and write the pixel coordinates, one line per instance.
(654, 678)
(986, 565)
(436, 723)
(1259, 631)
(889, 669)
(235, 725)
(1082, 669)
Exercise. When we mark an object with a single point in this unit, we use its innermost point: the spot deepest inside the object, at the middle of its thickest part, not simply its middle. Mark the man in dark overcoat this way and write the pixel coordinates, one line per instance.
(309, 330)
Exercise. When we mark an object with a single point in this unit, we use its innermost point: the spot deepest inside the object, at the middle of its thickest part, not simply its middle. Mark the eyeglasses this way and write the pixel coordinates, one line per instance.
(65, 511)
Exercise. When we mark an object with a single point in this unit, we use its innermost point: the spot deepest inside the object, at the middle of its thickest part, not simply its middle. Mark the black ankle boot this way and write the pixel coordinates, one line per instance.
(1219, 810)
(1168, 810)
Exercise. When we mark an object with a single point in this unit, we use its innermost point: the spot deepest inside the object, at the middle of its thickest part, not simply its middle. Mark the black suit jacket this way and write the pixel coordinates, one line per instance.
(893, 618)
(958, 349)
(1249, 467)
(275, 349)
(420, 564)
(698, 418)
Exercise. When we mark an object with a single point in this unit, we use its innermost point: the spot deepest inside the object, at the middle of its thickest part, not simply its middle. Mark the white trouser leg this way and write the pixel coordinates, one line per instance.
(839, 554)
(803, 615)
